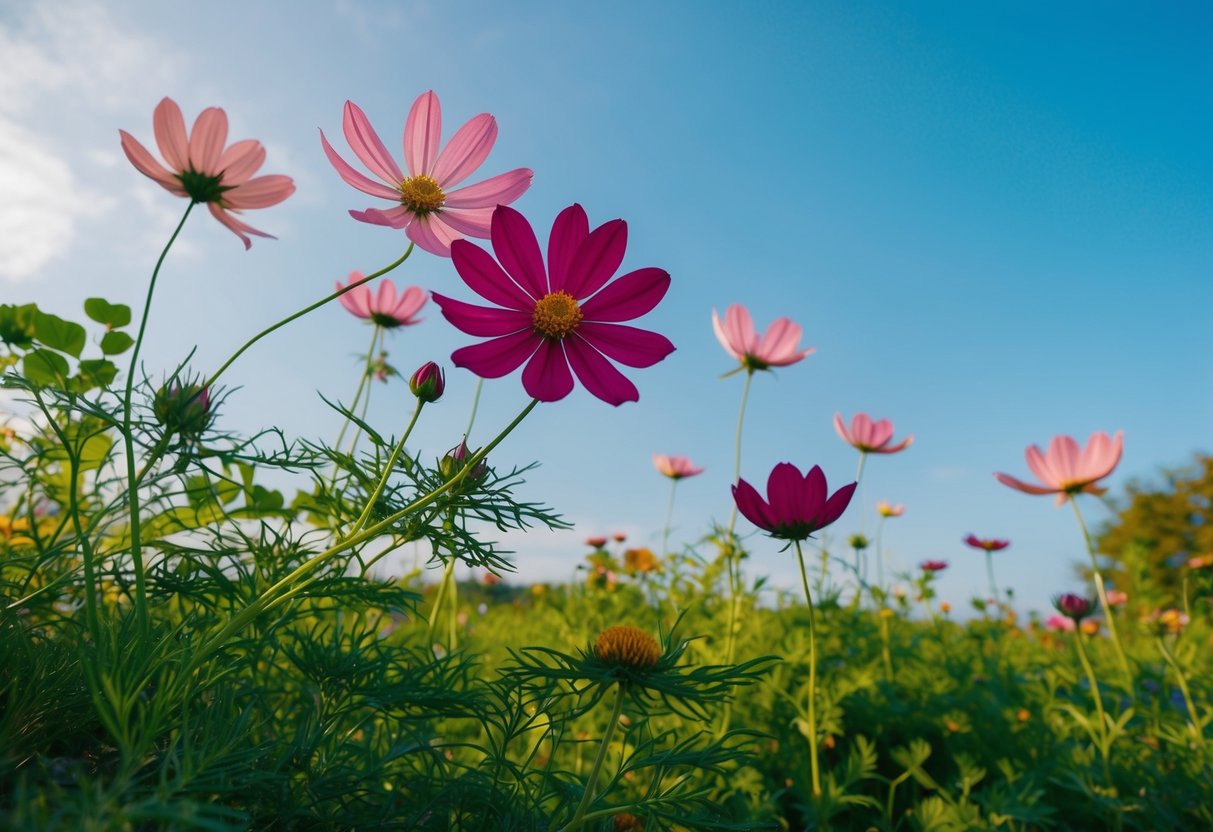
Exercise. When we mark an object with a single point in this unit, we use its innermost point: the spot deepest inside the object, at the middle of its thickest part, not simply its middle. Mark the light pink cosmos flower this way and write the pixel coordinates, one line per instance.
(1116, 597)
(383, 308)
(202, 169)
(869, 437)
(432, 214)
(1067, 470)
(1060, 623)
(675, 467)
(778, 347)
(885, 509)
(559, 321)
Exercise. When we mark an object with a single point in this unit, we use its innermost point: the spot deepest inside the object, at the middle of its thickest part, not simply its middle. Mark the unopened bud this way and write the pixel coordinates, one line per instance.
(453, 463)
(183, 410)
(428, 383)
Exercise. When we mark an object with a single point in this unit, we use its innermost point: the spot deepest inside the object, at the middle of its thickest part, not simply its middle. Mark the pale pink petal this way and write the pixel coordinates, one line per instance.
(1063, 457)
(1040, 465)
(410, 303)
(422, 134)
(356, 301)
(501, 189)
(433, 234)
(353, 177)
(861, 429)
(466, 151)
(598, 375)
(207, 141)
(739, 327)
(517, 251)
(498, 357)
(892, 449)
(723, 337)
(569, 230)
(238, 228)
(471, 222)
(146, 164)
(482, 321)
(626, 344)
(367, 145)
(1027, 488)
(260, 192)
(632, 295)
(171, 138)
(778, 347)
(241, 161)
(485, 277)
(597, 259)
(547, 376)
(880, 433)
(398, 217)
(385, 299)
(840, 428)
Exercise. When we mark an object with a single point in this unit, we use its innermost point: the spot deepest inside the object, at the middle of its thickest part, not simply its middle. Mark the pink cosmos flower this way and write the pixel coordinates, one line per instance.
(560, 321)
(1116, 597)
(797, 507)
(989, 544)
(205, 171)
(779, 346)
(870, 437)
(675, 467)
(885, 509)
(1074, 606)
(596, 542)
(1060, 623)
(385, 308)
(432, 214)
(1066, 470)
(933, 565)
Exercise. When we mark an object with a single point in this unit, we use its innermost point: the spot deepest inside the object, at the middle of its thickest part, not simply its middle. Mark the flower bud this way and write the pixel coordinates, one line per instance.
(183, 410)
(1073, 606)
(451, 464)
(428, 383)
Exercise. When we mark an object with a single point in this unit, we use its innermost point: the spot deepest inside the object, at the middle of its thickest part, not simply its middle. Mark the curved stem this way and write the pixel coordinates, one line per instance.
(128, 440)
(1099, 712)
(362, 382)
(475, 406)
(732, 563)
(591, 784)
(438, 598)
(808, 597)
(304, 311)
(1193, 718)
(387, 471)
(366, 401)
(1103, 597)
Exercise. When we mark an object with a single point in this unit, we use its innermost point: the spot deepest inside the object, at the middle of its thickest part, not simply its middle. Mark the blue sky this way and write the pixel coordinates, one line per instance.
(994, 221)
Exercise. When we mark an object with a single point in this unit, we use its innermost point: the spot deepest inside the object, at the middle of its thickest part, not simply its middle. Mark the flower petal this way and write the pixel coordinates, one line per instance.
(739, 329)
(1040, 465)
(783, 492)
(481, 321)
(433, 234)
(483, 276)
(547, 375)
(355, 179)
(171, 138)
(411, 301)
(471, 222)
(836, 505)
(840, 427)
(633, 295)
(367, 145)
(146, 164)
(569, 230)
(597, 259)
(501, 189)
(422, 134)
(626, 344)
(466, 151)
(498, 357)
(260, 192)
(207, 141)
(517, 250)
(240, 161)
(1027, 488)
(597, 374)
(751, 505)
(238, 228)
(723, 337)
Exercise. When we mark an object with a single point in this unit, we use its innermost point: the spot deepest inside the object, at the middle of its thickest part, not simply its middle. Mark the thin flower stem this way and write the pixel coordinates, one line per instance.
(591, 784)
(669, 517)
(362, 382)
(1103, 597)
(1193, 718)
(305, 311)
(438, 598)
(387, 471)
(128, 439)
(1099, 712)
(808, 597)
(880, 559)
(731, 562)
(475, 406)
(885, 652)
(990, 573)
(366, 401)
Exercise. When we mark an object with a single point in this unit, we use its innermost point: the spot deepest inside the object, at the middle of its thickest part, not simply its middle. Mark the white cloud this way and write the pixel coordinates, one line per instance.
(34, 225)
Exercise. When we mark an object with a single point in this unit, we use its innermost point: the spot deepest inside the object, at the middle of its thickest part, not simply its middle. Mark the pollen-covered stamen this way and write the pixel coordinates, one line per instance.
(421, 195)
(556, 315)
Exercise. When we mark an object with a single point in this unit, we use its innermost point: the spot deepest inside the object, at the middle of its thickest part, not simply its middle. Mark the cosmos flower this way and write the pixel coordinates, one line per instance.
(560, 321)
(1116, 597)
(869, 437)
(1067, 470)
(798, 505)
(430, 209)
(384, 307)
(1073, 606)
(675, 467)
(988, 544)
(933, 565)
(1060, 623)
(778, 347)
(885, 509)
(202, 169)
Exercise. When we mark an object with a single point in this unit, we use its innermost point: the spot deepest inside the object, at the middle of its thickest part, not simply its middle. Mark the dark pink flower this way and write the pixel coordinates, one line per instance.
(989, 544)
(798, 505)
(559, 321)
(596, 542)
(205, 171)
(431, 213)
(933, 565)
(778, 347)
(1073, 606)
(870, 437)
(1066, 470)
(383, 307)
(675, 467)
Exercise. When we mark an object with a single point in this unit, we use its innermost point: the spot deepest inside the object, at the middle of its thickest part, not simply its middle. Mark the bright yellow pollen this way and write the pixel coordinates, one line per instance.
(556, 315)
(421, 195)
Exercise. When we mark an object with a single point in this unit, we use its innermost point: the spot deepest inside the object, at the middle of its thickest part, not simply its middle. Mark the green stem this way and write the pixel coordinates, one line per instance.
(475, 406)
(669, 517)
(990, 573)
(880, 559)
(592, 783)
(305, 311)
(808, 597)
(128, 440)
(366, 374)
(1099, 712)
(1103, 597)
(732, 566)
(366, 401)
(387, 471)
(438, 598)
(1193, 718)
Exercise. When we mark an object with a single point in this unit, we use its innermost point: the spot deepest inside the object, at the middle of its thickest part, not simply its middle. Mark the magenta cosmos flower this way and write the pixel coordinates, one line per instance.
(778, 347)
(933, 565)
(1067, 470)
(561, 318)
(1073, 606)
(796, 506)
(675, 467)
(202, 169)
(989, 544)
(431, 213)
(870, 437)
(384, 307)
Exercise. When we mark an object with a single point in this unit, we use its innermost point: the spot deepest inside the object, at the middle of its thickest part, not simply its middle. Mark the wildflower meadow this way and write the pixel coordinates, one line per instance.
(204, 627)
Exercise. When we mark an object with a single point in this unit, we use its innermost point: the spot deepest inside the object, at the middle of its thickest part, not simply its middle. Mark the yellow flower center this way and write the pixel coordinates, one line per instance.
(556, 315)
(421, 195)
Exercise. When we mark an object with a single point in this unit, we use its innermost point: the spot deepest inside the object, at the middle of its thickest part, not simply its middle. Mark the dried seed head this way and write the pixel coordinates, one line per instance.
(631, 647)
